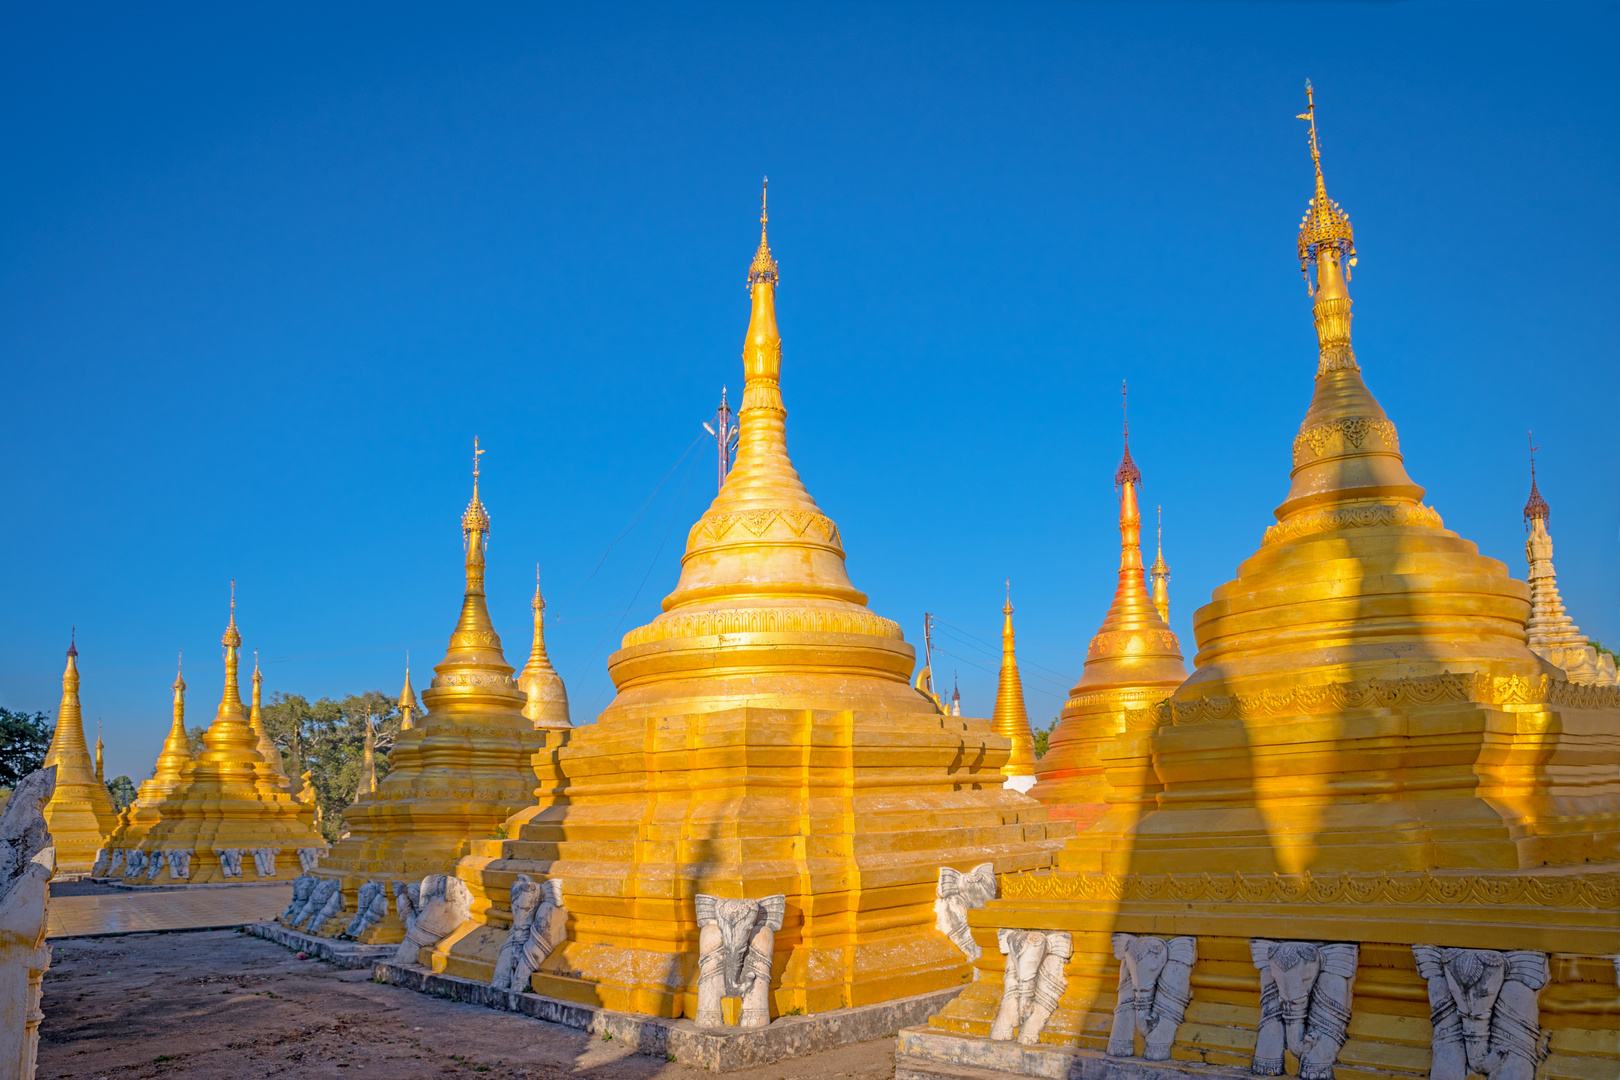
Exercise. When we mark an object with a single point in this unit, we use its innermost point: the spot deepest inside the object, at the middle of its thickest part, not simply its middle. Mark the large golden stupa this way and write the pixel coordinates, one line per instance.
(455, 773)
(1368, 770)
(764, 741)
(227, 802)
(80, 812)
(1133, 662)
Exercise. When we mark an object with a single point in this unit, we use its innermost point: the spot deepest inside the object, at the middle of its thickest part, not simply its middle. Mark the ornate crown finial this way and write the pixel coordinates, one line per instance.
(1536, 509)
(476, 519)
(233, 636)
(1127, 473)
(73, 641)
(1325, 224)
(764, 267)
(539, 602)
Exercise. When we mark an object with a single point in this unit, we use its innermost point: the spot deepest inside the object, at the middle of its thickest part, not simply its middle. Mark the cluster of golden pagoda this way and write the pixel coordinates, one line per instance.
(1366, 699)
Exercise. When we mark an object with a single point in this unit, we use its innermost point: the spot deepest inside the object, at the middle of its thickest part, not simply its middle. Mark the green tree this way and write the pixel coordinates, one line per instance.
(194, 738)
(122, 790)
(327, 738)
(1042, 736)
(24, 738)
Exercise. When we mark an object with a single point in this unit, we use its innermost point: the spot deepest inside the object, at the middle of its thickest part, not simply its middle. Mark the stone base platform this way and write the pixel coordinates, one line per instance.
(926, 1053)
(343, 954)
(716, 1049)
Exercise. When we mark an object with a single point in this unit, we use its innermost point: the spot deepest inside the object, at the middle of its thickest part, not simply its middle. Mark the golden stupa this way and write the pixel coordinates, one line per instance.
(1010, 718)
(227, 797)
(1367, 753)
(1159, 572)
(1553, 634)
(266, 745)
(141, 814)
(547, 704)
(1133, 662)
(764, 740)
(456, 772)
(80, 813)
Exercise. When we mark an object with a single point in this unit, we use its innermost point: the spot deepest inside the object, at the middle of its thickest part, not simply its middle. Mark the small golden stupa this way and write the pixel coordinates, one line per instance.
(1010, 718)
(547, 704)
(1133, 662)
(266, 745)
(765, 740)
(1553, 634)
(1368, 753)
(228, 798)
(139, 816)
(1159, 573)
(456, 772)
(80, 814)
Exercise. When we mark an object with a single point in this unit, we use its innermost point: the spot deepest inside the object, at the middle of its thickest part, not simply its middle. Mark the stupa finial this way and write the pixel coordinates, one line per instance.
(764, 267)
(1010, 718)
(232, 640)
(1127, 473)
(1325, 227)
(1536, 509)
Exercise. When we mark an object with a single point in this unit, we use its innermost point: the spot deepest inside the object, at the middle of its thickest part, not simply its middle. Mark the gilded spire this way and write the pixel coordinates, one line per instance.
(1159, 572)
(1127, 473)
(1010, 719)
(407, 699)
(547, 703)
(68, 739)
(176, 752)
(266, 745)
(101, 750)
(1347, 448)
(474, 669)
(232, 641)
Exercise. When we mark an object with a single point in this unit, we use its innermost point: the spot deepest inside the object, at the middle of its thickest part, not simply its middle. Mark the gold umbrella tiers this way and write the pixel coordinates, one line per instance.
(80, 812)
(456, 773)
(228, 802)
(1367, 754)
(764, 741)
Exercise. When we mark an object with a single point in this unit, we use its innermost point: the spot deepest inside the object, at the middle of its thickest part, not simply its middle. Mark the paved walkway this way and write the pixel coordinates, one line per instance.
(126, 912)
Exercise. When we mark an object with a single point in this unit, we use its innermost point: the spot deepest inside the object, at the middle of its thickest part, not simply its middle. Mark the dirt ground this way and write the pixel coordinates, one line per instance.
(219, 1004)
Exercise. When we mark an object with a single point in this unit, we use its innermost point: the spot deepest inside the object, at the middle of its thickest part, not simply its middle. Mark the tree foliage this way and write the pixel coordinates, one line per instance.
(1042, 736)
(122, 790)
(24, 738)
(327, 738)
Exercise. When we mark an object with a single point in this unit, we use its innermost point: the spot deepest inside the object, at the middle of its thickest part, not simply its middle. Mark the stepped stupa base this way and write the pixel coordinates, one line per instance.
(715, 1049)
(1570, 915)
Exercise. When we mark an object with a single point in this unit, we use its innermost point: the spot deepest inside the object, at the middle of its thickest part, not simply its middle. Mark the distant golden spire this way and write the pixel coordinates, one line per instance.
(232, 641)
(1325, 226)
(101, 749)
(368, 763)
(176, 750)
(547, 705)
(1010, 718)
(1160, 573)
(407, 699)
(266, 745)
(68, 739)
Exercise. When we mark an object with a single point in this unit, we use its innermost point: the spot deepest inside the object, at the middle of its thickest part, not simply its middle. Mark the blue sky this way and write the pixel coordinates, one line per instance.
(266, 272)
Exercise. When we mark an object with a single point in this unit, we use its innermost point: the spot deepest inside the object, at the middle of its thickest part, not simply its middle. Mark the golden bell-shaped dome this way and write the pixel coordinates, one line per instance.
(763, 598)
(80, 812)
